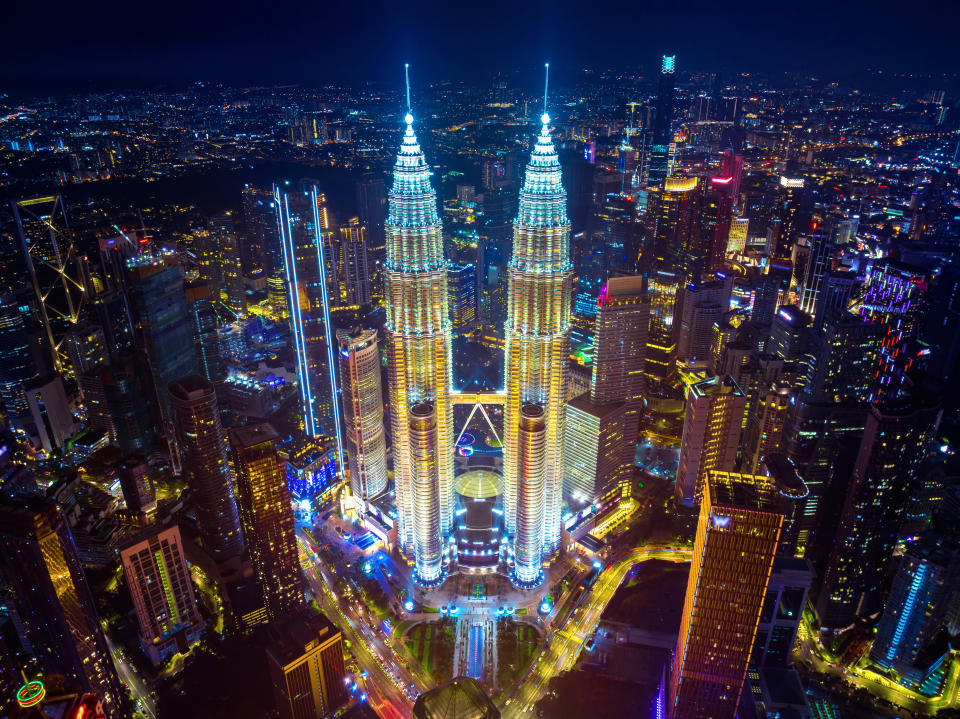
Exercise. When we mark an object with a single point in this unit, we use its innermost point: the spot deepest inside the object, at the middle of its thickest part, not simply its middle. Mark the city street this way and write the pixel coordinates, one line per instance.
(139, 691)
(563, 646)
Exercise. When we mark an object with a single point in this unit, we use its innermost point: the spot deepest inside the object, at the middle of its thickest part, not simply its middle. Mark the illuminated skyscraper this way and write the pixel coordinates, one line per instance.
(49, 598)
(418, 349)
(354, 263)
(733, 553)
(205, 464)
(363, 412)
(203, 323)
(661, 148)
(53, 268)
(463, 297)
(159, 583)
(267, 515)
(17, 368)
(305, 238)
(537, 340)
(711, 434)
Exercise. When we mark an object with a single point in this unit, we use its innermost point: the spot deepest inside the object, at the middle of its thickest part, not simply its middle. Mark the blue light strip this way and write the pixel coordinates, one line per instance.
(331, 361)
(906, 613)
(290, 265)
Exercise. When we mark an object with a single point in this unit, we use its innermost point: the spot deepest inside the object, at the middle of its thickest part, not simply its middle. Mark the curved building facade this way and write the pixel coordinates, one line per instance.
(537, 339)
(418, 341)
(363, 411)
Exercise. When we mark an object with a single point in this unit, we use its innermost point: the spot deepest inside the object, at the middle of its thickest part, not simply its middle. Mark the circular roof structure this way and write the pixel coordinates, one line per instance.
(478, 484)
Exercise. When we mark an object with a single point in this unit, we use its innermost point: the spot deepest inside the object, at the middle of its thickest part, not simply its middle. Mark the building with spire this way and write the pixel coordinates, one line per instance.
(418, 357)
(537, 343)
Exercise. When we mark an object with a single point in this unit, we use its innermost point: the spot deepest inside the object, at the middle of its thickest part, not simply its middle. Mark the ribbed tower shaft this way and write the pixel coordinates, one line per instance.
(537, 338)
(418, 333)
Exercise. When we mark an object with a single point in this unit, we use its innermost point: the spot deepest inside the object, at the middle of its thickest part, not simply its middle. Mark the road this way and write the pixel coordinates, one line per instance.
(562, 648)
(880, 686)
(139, 690)
(385, 674)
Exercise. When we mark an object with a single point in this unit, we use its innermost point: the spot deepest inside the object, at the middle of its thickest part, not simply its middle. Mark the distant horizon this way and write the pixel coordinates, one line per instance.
(79, 50)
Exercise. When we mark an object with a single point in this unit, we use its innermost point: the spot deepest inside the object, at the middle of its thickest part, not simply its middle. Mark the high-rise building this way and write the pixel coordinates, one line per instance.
(711, 434)
(372, 204)
(139, 494)
(203, 323)
(161, 321)
(203, 446)
(261, 246)
(766, 425)
(537, 341)
(916, 606)
(790, 581)
(17, 368)
(355, 276)
(662, 147)
(159, 584)
(462, 285)
(305, 237)
(267, 515)
(674, 213)
(50, 417)
(620, 342)
(885, 476)
(50, 601)
(305, 661)
(364, 437)
(600, 435)
(418, 348)
(53, 268)
(231, 261)
(734, 549)
(701, 306)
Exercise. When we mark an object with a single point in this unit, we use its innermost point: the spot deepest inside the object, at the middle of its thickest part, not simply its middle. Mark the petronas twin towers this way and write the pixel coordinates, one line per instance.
(537, 337)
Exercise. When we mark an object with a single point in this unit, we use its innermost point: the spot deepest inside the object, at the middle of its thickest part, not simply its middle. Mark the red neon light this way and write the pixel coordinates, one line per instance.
(81, 710)
(721, 180)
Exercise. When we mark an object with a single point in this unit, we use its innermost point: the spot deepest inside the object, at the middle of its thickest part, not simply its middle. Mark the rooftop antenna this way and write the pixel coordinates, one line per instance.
(546, 84)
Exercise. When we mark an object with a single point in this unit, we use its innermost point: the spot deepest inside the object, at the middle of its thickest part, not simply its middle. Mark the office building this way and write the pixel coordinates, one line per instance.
(462, 283)
(674, 210)
(50, 421)
(227, 241)
(596, 449)
(662, 146)
(537, 342)
(203, 324)
(162, 324)
(310, 267)
(786, 596)
(418, 345)
(267, 514)
(766, 424)
(136, 483)
(711, 434)
(261, 246)
(915, 609)
(206, 466)
(355, 284)
(53, 269)
(17, 366)
(159, 584)
(736, 541)
(364, 436)
(306, 667)
(50, 601)
(885, 476)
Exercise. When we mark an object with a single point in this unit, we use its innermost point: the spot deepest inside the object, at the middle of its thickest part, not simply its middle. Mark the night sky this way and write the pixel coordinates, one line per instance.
(112, 42)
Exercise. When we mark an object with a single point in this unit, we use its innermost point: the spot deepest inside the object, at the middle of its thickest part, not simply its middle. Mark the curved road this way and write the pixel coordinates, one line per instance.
(562, 648)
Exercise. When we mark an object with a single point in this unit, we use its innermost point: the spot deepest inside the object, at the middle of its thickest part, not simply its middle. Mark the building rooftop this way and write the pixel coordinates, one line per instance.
(583, 404)
(743, 491)
(478, 484)
(292, 637)
(714, 386)
(460, 698)
(250, 435)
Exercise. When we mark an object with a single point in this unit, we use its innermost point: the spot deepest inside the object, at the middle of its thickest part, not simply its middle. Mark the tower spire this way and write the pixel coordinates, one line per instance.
(546, 85)
(406, 74)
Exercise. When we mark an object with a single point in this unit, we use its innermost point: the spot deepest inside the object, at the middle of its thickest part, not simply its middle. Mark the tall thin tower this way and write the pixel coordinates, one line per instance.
(418, 352)
(537, 335)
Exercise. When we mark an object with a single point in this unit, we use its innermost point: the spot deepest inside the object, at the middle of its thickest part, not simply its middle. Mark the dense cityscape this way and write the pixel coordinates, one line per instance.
(627, 393)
